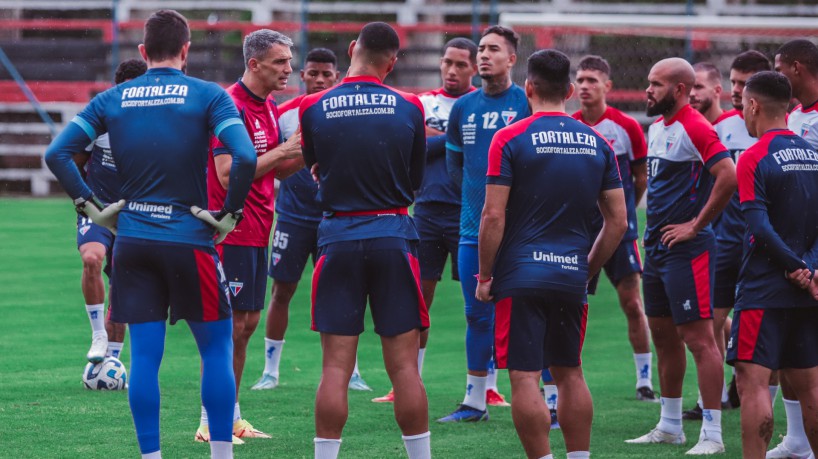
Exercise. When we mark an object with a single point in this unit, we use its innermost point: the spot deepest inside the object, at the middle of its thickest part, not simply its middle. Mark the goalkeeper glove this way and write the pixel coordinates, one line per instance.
(222, 221)
(98, 212)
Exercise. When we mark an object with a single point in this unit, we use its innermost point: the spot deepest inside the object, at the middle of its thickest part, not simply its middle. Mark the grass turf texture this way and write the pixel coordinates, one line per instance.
(45, 411)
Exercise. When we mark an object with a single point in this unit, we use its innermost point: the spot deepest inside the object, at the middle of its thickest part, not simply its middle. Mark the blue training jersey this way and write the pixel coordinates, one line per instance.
(556, 167)
(159, 126)
(100, 170)
(473, 121)
(779, 175)
(369, 141)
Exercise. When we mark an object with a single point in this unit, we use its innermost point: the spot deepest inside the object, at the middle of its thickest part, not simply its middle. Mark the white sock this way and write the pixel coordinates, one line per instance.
(475, 392)
(418, 446)
(272, 356)
(203, 419)
(114, 349)
(711, 425)
(96, 314)
(356, 371)
(153, 455)
(580, 454)
(699, 400)
(796, 438)
(326, 448)
(550, 394)
(671, 418)
(236, 412)
(221, 450)
(491, 377)
(550, 456)
(421, 355)
(724, 396)
(773, 394)
(644, 375)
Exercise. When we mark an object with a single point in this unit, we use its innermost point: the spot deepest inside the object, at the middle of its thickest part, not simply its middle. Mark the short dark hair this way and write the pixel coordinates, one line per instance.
(130, 69)
(464, 44)
(751, 61)
(379, 38)
(713, 72)
(801, 50)
(511, 36)
(772, 86)
(322, 56)
(166, 33)
(592, 62)
(549, 71)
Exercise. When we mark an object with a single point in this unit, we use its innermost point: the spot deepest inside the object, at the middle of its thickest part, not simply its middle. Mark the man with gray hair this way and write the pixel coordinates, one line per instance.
(243, 254)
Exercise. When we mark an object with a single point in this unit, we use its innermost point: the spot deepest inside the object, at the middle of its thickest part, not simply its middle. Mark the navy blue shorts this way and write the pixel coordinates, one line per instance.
(537, 331)
(384, 271)
(246, 271)
(292, 246)
(728, 264)
(88, 231)
(775, 338)
(677, 283)
(625, 261)
(438, 226)
(149, 276)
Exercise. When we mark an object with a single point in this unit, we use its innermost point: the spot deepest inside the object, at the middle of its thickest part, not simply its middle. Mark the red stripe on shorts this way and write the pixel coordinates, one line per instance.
(638, 255)
(701, 280)
(502, 324)
(414, 265)
(208, 285)
(748, 328)
(316, 274)
(582, 326)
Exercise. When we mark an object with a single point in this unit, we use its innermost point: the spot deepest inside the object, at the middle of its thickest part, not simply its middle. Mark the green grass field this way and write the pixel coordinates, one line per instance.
(45, 412)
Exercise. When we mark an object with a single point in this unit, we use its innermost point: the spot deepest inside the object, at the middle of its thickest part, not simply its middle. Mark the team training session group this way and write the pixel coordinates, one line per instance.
(174, 182)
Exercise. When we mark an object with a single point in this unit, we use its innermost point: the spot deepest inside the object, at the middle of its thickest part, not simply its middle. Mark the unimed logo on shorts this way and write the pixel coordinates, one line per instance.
(565, 262)
(155, 211)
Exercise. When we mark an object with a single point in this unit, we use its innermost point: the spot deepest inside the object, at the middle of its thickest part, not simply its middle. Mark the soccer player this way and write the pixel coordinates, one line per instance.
(624, 269)
(473, 121)
(798, 61)
(296, 231)
(546, 177)
(94, 241)
(159, 126)
(366, 142)
(684, 158)
(437, 207)
(775, 325)
(243, 252)
(729, 225)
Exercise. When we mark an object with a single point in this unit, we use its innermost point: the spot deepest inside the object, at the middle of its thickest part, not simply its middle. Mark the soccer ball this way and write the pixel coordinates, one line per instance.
(107, 375)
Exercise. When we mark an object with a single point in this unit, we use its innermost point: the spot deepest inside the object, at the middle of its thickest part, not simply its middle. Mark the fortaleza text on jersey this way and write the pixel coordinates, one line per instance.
(136, 92)
(795, 154)
(358, 100)
(562, 137)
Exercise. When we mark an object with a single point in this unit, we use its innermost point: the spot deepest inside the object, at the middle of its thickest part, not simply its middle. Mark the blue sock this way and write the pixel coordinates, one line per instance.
(479, 315)
(147, 347)
(215, 341)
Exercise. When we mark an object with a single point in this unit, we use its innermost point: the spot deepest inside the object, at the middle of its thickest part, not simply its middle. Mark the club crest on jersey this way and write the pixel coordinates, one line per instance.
(235, 287)
(508, 116)
(84, 229)
(669, 142)
(804, 129)
(276, 258)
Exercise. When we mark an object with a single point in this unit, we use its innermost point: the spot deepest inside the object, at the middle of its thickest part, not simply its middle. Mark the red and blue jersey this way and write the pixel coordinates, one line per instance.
(295, 202)
(556, 168)
(473, 121)
(680, 152)
(779, 177)
(163, 105)
(438, 186)
(259, 116)
(625, 136)
(804, 122)
(100, 170)
(369, 141)
(729, 225)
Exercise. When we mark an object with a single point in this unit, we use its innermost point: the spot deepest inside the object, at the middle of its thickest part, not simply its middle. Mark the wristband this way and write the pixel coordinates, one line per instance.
(483, 281)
